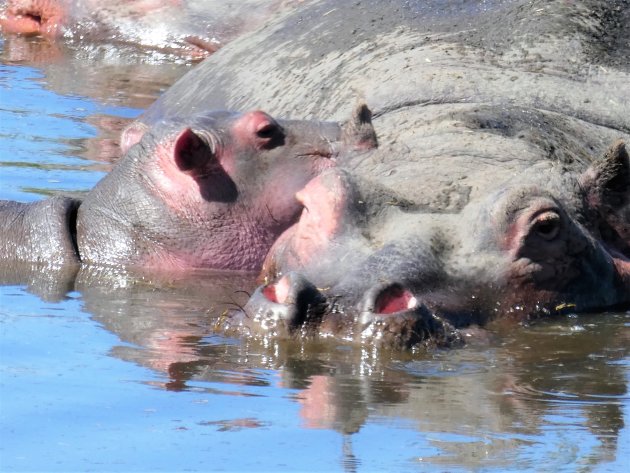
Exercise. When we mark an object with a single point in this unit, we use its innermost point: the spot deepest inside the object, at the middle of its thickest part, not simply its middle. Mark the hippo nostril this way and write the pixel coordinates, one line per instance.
(394, 298)
(279, 291)
(290, 302)
(392, 316)
(387, 300)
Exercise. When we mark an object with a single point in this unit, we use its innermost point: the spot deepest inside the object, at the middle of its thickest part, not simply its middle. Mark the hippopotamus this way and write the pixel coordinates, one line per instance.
(499, 191)
(211, 190)
(194, 29)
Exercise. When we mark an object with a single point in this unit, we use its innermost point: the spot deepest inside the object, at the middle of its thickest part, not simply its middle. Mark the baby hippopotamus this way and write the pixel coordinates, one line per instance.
(209, 191)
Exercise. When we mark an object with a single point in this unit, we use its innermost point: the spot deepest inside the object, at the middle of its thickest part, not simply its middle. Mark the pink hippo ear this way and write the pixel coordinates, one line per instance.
(194, 156)
(132, 135)
(607, 187)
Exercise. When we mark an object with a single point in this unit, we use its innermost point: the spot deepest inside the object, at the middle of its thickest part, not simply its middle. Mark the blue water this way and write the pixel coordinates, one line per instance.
(38, 127)
(114, 373)
(67, 405)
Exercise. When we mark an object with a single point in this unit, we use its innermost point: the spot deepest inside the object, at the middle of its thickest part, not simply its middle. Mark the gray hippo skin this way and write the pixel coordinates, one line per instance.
(210, 191)
(500, 187)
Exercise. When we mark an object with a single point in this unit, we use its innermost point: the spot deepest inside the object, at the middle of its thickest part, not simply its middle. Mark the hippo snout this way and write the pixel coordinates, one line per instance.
(291, 304)
(387, 315)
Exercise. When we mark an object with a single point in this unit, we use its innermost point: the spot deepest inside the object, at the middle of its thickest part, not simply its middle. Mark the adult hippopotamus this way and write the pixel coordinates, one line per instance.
(190, 28)
(499, 189)
(208, 191)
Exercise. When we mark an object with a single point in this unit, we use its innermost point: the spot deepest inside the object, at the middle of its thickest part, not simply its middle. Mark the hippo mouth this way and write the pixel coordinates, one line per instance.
(389, 316)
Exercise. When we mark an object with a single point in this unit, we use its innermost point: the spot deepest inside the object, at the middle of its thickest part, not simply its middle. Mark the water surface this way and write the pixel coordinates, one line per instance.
(101, 370)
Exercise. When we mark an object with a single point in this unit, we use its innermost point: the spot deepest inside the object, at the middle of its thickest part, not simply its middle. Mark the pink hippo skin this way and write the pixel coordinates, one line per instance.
(492, 195)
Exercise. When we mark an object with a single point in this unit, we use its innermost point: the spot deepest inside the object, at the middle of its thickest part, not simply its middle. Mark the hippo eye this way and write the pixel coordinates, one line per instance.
(547, 225)
(270, 135)
(269, 130)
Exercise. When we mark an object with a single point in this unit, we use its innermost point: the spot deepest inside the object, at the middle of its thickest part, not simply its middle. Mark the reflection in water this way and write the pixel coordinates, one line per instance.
(48, 119)
(496, 402)
(106, 75)
(560, 382)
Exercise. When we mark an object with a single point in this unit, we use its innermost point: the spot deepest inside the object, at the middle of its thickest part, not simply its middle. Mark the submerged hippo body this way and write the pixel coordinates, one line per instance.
(190, 28)
(492, 193)
(211, 191)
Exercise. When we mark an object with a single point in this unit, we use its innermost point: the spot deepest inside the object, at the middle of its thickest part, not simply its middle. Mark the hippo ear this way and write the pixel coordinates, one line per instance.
(607, 187)
(192, 154)
(358, 132)
(607, 181)
(195, 157)
(132, 135)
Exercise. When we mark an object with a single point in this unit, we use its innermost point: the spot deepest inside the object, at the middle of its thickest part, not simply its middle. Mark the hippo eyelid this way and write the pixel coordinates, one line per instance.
(546, 224)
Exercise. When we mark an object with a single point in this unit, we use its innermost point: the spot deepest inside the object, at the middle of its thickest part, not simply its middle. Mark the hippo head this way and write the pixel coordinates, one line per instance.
(211, 191)
(363, 264)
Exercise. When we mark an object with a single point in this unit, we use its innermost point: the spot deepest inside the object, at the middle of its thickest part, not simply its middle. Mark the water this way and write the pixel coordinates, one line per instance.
(107, 371)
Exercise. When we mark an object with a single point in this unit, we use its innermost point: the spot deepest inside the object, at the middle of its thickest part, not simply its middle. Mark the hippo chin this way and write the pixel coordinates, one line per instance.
(488, 198)
(210, 191)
